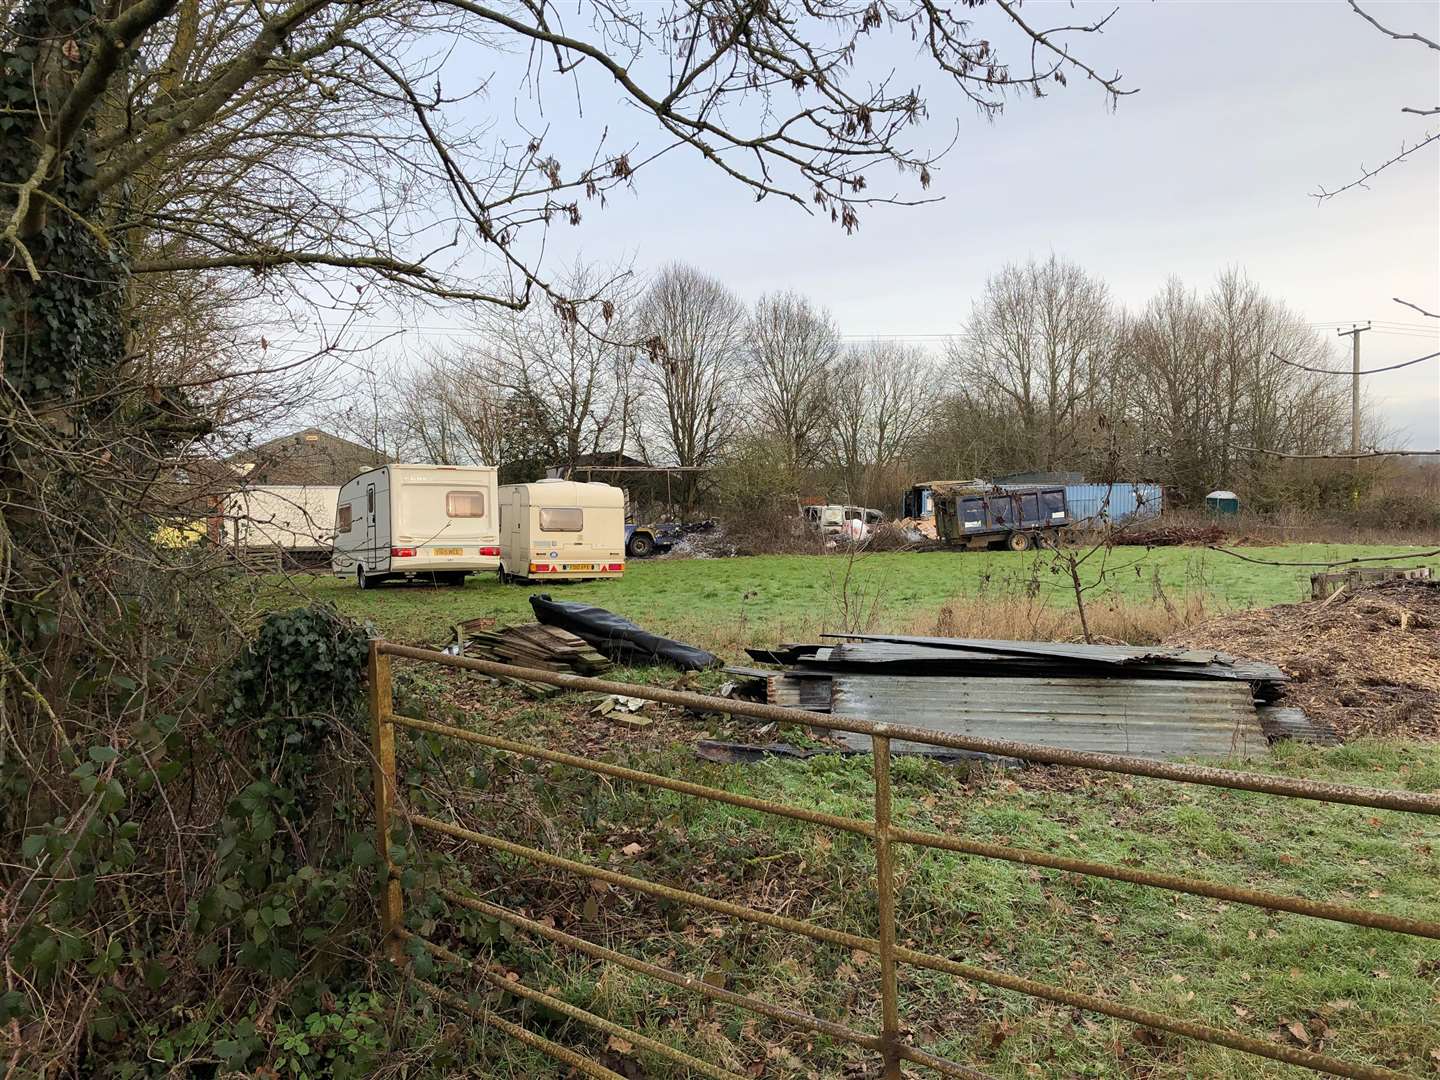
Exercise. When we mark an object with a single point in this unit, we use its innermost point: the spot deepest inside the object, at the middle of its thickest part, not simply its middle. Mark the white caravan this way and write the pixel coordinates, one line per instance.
(561, 529)
(288, 517)
(434, 522)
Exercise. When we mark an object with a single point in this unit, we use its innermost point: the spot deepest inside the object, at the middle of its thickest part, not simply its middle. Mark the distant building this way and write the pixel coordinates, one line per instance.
(310, 457)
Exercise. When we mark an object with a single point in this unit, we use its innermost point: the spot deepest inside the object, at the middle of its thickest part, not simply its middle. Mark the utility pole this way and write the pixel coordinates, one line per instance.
(1354, 334)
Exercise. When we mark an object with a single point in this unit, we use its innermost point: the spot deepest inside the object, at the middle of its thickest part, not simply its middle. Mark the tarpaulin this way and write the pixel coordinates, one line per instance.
(618, 637)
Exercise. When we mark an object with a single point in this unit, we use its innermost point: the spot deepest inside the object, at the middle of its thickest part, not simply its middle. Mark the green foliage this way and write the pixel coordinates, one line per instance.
(756, 476)
(283, 883)
(338, 1044)
(296, 680)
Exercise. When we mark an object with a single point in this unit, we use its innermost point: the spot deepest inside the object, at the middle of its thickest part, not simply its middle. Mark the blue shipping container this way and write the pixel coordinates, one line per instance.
(1118, 502)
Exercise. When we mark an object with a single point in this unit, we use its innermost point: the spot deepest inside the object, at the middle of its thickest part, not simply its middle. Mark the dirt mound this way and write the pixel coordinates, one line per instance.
(1367, 662)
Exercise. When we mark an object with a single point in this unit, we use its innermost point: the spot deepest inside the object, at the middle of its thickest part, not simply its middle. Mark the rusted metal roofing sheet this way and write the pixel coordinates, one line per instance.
(1204, 663)
(1164, 718)
(1099, 654)
(934, 659)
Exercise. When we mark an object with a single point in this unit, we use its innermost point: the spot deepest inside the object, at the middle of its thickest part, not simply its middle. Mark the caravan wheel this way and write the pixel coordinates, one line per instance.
(367, 581)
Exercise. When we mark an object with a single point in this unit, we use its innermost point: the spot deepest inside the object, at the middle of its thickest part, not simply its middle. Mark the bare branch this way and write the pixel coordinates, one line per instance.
(1363, 455)
(1416, 307)
(1366, 175)
(1392, 33)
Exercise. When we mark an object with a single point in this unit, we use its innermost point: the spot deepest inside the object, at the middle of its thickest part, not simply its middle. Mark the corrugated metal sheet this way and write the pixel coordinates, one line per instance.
(1148, 718)
(931, 658)
(1098, 654)
(1118, 502)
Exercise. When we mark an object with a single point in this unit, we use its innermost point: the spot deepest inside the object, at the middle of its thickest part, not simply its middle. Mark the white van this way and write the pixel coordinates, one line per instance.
(435, 522)
(561, 529)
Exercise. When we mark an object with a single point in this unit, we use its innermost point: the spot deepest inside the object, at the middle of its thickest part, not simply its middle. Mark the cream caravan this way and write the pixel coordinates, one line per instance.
(561, 529)
(433, 522)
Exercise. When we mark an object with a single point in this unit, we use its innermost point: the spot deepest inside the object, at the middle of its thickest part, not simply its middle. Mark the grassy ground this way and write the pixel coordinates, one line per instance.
(784, 597)
(1359, 994)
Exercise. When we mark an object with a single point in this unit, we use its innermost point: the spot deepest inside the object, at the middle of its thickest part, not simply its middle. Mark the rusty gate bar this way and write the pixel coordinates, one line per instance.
(620, 772)
(1376, 798)
(520, 1034)
(1026, 856)
(519, 989)
(655, 971)
(969, 972)
(885, 904)
(882, 833)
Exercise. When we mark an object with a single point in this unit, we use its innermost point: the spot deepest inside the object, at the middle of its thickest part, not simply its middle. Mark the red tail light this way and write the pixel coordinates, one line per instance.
(539, 568)
(490, 551)
(402, 553)
(614, 566)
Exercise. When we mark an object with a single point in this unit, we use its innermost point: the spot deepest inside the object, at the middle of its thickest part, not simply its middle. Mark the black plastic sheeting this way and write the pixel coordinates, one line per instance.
(618, 637)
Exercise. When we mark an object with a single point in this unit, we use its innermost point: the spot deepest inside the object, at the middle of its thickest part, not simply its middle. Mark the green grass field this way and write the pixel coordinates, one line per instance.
(1364, 995)
(781, 597)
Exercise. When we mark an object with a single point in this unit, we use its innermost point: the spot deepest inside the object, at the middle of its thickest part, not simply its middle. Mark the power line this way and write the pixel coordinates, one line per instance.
(1367, 371)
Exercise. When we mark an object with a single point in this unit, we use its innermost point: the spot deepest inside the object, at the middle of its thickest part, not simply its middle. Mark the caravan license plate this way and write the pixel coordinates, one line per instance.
(579, 566)
(447, 551)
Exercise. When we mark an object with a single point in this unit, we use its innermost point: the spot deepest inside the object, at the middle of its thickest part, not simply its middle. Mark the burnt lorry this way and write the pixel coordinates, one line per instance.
(976, 515)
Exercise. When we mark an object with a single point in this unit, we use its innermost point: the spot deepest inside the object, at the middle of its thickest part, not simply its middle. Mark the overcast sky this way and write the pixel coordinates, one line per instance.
(1242, 110)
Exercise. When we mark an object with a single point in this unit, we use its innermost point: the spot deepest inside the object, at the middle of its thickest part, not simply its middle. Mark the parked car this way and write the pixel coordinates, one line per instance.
(642, 541)
(561, 530)
(833, 519)
(431, 522)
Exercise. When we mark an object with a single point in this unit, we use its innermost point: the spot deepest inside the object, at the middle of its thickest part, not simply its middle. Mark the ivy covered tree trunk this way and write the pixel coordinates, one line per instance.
(63, 278)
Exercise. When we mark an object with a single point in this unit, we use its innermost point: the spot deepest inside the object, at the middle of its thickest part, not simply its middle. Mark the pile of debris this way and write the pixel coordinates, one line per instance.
(1365, 661)
(1173, 535)
(1146, 701)
(531, 645)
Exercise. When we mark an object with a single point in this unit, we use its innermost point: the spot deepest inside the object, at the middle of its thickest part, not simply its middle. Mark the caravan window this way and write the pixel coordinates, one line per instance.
(343, 519)
(465, 504)
(561, 519)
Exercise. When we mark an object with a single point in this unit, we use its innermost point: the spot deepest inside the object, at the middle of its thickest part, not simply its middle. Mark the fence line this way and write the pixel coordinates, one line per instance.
(890, 1042)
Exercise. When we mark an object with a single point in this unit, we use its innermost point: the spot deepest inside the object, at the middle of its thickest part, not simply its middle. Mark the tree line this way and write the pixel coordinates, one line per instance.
(1048, 373)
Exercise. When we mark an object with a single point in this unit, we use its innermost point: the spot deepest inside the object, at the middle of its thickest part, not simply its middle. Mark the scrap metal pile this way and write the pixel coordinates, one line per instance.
(1146, 701)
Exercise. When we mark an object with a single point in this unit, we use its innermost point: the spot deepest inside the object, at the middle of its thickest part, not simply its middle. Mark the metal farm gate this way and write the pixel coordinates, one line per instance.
(889, 1043)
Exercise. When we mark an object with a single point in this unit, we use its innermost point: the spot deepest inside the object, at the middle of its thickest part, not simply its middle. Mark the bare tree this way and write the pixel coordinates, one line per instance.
(585, 379)
(792, 350)
(695, 327)
(880, 394)
(326, 153)
(1206, 380)
(1037, 346)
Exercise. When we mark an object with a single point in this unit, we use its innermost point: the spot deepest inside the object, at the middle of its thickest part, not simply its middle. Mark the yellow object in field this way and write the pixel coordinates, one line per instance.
(184, 535)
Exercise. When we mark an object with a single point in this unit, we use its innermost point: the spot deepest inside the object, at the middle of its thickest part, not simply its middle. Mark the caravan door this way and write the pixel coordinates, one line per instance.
(372, 558)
